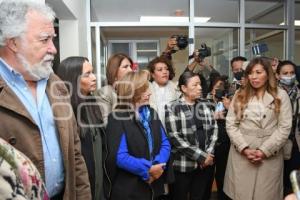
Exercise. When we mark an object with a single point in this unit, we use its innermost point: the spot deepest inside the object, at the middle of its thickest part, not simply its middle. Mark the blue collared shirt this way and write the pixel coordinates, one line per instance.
(41, 112)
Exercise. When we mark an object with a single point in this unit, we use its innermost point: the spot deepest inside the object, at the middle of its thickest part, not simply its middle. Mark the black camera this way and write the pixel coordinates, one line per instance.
(204, 51)
(182, 41)
(219, 94)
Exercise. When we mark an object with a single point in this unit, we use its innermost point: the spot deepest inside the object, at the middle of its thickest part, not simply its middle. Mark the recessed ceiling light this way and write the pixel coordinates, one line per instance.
(297, 23)
(172, 19)
(202, 19)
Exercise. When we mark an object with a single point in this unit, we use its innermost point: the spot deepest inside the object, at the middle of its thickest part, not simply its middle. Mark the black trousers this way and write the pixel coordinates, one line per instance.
(58, 197)
(194, 185)
(221, 156)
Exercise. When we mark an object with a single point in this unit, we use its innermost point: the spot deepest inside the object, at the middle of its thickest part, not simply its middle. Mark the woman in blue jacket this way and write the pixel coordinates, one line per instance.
(137, 143)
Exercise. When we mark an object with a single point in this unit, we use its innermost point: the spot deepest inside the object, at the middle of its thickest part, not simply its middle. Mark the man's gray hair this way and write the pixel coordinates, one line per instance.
(13, 16)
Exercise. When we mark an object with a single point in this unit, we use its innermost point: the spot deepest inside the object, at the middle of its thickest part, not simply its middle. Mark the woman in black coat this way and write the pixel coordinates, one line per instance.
(80, 80)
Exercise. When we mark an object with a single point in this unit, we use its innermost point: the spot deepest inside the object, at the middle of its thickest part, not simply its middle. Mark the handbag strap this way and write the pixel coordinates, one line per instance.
(295, 120)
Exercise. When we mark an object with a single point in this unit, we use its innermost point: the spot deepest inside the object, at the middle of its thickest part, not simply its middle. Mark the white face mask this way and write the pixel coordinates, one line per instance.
(288, 80)
(39, 70)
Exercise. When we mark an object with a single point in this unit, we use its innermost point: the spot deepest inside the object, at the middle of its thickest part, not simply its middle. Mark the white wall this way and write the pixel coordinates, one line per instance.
(78, 8)
(68, 38)
(72, 27)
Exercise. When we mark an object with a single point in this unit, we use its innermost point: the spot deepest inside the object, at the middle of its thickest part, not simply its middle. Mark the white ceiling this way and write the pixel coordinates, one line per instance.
(218, 10)
(131, 10)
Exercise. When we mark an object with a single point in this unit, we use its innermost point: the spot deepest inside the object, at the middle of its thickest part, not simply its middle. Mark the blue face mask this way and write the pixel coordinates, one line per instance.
(288, 80)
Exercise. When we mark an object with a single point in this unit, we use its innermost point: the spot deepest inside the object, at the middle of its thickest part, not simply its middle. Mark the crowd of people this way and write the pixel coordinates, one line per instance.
(141, 136)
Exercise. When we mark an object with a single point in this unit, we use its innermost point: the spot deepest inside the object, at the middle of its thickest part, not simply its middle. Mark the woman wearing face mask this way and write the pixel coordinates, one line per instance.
(287, 80)
(77, 72)
(192, 132)
(117, 66)
(258, 124)
(162, 88)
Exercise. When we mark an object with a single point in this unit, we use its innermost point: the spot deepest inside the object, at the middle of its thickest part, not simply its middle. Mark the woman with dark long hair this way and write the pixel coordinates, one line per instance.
(258, 124)
(80, 80)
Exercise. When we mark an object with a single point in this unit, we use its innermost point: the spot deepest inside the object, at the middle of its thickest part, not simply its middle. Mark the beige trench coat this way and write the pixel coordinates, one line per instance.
(259, 129)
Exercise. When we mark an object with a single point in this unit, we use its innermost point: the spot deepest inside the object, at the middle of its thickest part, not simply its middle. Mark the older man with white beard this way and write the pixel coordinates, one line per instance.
(35, 113)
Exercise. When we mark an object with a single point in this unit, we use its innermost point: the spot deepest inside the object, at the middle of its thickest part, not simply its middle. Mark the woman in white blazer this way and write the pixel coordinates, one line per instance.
(163, 90)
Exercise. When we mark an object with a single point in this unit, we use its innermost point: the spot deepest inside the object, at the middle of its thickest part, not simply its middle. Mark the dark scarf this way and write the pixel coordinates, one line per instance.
(292, 91)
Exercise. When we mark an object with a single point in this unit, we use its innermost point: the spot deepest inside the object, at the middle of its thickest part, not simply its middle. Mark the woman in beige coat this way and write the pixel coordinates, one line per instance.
(118, 65)
(258, 124)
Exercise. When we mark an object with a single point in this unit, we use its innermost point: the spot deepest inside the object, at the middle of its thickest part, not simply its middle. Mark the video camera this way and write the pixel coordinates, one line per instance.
(204, 51)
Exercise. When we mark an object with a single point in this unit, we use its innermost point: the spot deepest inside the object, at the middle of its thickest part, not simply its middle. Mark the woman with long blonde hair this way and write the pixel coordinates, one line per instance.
(258, 124)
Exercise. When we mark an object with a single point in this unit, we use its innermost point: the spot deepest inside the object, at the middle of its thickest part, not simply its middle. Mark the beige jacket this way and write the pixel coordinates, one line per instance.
(107, 99)
(19, 129)
(259, 129)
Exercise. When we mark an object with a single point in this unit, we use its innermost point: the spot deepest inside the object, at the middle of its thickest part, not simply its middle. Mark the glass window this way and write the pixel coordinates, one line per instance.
(264, 11)
(224, 46)
(120, 47)
(145, 52)
(217, 11)
(297, 14)
(273, 39)
(297, 33)
(93, 46)
(142, 42)
(103, 62)
(133, 10)
(297, 47)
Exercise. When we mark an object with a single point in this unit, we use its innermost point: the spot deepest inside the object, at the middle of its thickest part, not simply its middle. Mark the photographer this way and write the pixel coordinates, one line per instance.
(204, 68)
(221, 98)
(180, 42)
(237, 67)
(170, 49)
(175, 43)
